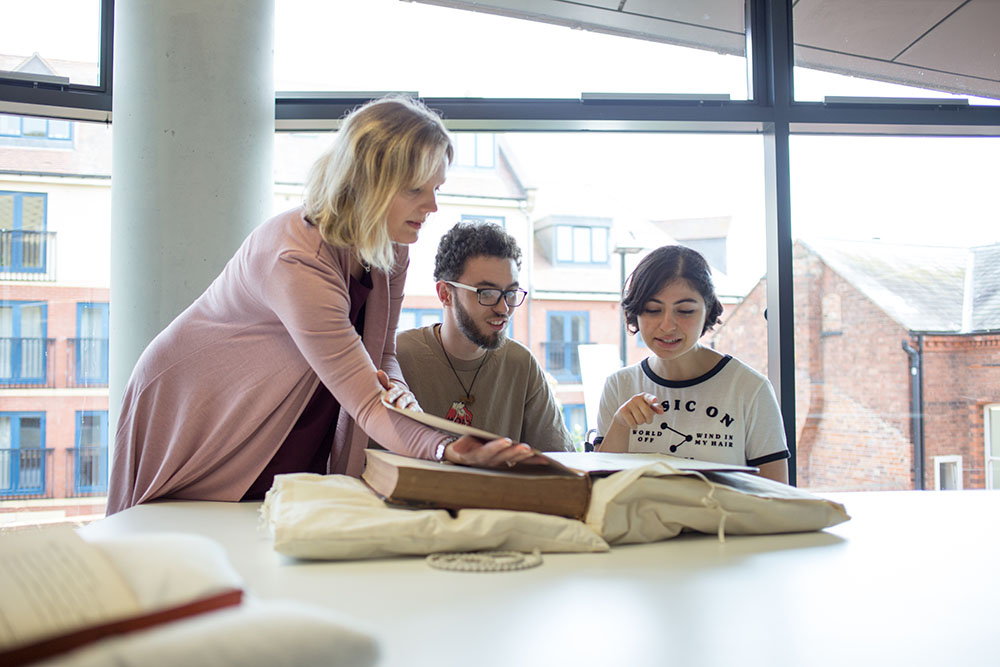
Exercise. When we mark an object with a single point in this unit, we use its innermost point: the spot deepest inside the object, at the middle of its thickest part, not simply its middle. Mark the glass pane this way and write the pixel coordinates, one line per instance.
(52, 38)
(90, 431)
(34, 127)
(599, 250)
(59, 129)
(581, 244)
(564, 244)
(627, 52)
(995, 468)
(897, 49)
(10, 125)
(31, 432)
(407, 320)
(889, 246)
(995, 432)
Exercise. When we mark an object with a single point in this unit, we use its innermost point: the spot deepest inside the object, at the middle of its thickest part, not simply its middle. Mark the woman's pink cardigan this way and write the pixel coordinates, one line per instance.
(216, 392)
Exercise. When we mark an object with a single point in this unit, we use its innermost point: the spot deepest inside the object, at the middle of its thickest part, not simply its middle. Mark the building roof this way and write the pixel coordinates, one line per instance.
(923, 288)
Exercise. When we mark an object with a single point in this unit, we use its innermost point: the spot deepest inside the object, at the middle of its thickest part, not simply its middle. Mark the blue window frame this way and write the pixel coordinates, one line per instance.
(475, 150)
(414, 318)
(566, 331)
(23, 238)
(577, 244)
(22, 453)
(575, 418)
(91, 343)
(496, 219)
(23, 345)
(29, 127)
(90, 460)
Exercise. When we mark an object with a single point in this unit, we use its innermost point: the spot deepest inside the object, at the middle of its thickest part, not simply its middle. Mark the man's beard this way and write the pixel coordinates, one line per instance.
(468, 327)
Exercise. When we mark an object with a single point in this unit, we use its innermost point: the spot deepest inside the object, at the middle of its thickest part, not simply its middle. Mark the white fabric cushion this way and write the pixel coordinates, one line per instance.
(167, 569)
(267, 634)
(338, 517)
(656, 502)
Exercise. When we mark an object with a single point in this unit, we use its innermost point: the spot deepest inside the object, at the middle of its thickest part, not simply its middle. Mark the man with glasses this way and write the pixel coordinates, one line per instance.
(466, 369)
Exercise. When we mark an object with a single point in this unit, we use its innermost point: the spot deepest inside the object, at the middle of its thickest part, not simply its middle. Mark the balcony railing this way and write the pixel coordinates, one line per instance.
(27, 362)
(87, 471)
(27, 255)
(86, 362)
(25, 473)
(562, 359)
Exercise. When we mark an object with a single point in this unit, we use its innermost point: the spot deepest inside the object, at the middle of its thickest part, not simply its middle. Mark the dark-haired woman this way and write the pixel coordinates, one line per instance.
(687, 399)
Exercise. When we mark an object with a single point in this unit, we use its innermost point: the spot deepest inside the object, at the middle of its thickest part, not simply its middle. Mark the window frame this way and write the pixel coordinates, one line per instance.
(17, 249)
(590, 245)
(103, 309)
(48, 139)
(939, 463)
(568, 376)
(72, 101)
(770, 112)
(419, 314)
(102, 457)
(16, 350)
(991, 411)
(14, 472)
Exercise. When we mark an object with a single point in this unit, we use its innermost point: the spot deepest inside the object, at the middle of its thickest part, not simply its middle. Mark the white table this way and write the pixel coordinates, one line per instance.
(912, 579)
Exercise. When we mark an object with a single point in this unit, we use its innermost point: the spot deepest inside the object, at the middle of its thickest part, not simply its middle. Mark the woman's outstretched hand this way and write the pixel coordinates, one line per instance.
(640, 409)
(499, 453)
(396, 394)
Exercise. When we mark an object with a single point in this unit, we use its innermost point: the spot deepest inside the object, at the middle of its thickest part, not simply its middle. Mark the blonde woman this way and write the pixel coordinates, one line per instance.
(280, 365)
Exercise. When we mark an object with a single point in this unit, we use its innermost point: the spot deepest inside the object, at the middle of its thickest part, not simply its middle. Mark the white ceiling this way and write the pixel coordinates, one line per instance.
(948, 45)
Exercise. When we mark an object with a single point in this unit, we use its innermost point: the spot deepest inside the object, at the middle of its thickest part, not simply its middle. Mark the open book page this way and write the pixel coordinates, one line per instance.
(609, 462)
(443, 424)
(52, 581)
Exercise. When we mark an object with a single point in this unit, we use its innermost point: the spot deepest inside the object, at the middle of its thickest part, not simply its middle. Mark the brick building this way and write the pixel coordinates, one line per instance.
(897, 364)
(55, 179)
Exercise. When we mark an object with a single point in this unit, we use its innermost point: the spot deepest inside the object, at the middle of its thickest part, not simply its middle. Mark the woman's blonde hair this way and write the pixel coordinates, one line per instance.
(384, 147)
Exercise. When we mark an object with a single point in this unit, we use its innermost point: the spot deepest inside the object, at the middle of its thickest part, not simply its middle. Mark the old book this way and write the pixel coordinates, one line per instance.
(59, 592)
(562, 487)
(418, 483)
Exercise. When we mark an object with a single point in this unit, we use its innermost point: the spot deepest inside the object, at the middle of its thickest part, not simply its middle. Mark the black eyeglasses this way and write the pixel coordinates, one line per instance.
(489, 296)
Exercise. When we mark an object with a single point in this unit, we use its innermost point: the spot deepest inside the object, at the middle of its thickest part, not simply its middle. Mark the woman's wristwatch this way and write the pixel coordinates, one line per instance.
(440, 449)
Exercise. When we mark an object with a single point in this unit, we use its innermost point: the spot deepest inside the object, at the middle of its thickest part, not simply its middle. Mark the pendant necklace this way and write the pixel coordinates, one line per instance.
(469, 398)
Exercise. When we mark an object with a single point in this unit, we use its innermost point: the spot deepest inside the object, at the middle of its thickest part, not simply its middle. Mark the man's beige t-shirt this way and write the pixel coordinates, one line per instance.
(511, 395)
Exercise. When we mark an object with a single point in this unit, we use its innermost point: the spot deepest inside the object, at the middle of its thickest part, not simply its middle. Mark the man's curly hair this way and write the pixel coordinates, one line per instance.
(472, 239)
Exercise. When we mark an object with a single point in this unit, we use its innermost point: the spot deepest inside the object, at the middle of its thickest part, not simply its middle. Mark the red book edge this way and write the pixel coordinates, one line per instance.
(45, 648)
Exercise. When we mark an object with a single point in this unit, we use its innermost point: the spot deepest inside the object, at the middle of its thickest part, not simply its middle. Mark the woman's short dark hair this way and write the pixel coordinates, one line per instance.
(472, 239)
(661, 267)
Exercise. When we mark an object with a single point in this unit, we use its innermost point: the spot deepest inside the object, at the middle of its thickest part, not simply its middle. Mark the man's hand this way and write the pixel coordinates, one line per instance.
(396, 394)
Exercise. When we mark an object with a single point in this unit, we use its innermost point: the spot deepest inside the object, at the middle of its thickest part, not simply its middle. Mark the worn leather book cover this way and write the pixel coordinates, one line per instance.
(429, 484)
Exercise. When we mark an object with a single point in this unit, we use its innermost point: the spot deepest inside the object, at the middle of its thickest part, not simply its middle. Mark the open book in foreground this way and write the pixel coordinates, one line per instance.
(560, 486)
(59, 592)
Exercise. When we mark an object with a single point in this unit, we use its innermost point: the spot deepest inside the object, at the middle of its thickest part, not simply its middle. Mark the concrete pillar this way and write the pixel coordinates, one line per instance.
(193, 122)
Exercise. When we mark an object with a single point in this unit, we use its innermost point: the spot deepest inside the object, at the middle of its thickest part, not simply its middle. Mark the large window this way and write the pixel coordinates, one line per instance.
(581, 245)
(26, 127)
(567, 330)
(415, 318)
(24, 349)
(625, 53)
(22, 453)
(23, 239)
